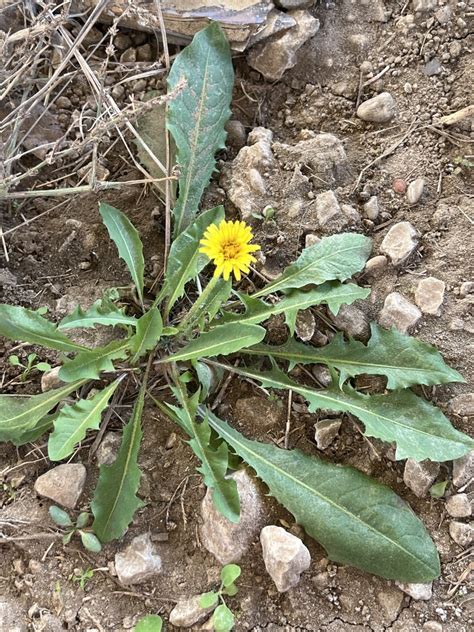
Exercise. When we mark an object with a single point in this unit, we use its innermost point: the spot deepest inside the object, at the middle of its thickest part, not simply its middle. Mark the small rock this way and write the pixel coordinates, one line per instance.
(463, 405)
(399, 242)
(236, 134)
(7, 278)
(294, 4)
(391, 601)
(398, 312)
(276, 55)
(466, 288)
(352, 321)
(379, 109)
(144, 53)
(188, 612)
(108, 448)
(285, 557)
(375, 265)
(129, 56)
(12, 616)
(328, 212)
(122, 41)
(418, 592)
(462, 533)
(424, 5)
(429, 295)
(63, 484)
(419, 477)
(415, 190)
(321, 580)
(399, 186)
(433, 67)
(322, 374)
(325, 431)
(64, 103)
(138, 562)
(305, 325)
(459, 506)
(444, 14)
(371, 208)
(226, 540)
(311, 239)
(463, 470)
(432, 626)
(50, 379)
(351, 213)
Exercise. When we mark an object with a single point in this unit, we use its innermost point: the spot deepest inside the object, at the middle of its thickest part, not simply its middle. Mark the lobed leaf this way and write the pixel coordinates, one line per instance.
(334, 258)
(19, 415)
(404, 360)
(419, 429)
(97, 314)
(357, 520)
(221, 340)
(89, 364)
(38, 430)
(19, 323)
(125, 236)
(115, 501)
(74, 420)
(149, 330)
(198, 114)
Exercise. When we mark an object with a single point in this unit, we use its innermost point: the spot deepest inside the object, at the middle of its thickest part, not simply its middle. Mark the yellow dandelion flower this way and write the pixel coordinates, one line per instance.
(228, 247)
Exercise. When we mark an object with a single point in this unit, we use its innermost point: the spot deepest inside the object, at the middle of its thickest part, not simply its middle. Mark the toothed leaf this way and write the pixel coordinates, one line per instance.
(89, 364)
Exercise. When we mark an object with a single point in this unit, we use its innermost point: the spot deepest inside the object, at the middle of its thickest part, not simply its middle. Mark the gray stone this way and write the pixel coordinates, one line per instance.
(294, 4)
(322, 374)
(7, 277)
(276, 55)
(12, 616)
(138, 562)
(311, 239)
(285, 557)
(379, 109)
(375, 265)
(122, 41)
(399, 242)
(432, 626)
(398, 312)
(63, 484)
(188, 612)
(229, 541)
(50, 379)
(463, 405)
(108, 448)
(429, 295)
(466, 288)
(328, 212)
(325, 431)
(144, 53)
(129, 56)
(352, 321)
(415, 190)
(463, 470)
(371, 208)
(352, 214)
(305, 325)
(391, 601)
(419, 477)
(459, 506)
(462, 533)
(418, 592)
(433, 67)
(424, 5)
(444, 14)
(236, 134)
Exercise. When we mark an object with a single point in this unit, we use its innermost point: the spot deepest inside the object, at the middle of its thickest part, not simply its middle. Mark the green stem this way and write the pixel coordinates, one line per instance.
(198, 307)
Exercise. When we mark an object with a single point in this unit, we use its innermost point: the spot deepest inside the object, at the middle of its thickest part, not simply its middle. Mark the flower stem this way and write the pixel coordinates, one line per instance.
(199, 306)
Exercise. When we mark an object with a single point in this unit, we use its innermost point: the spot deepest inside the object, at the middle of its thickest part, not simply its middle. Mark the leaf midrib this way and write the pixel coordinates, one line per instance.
(131, 257)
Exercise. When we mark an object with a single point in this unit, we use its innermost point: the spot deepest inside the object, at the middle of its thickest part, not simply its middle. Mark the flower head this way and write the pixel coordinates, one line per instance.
(228, 246)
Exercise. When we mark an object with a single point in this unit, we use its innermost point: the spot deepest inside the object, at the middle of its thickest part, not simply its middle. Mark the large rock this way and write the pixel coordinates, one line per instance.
(246, 187)
(400, 242)
(188, 612)
(138, 562)
(429, 295)
(229, 541)
(398, 312)
(285, 557)
(276, 55)
(379, 109)
(63, 484)
(419, 477)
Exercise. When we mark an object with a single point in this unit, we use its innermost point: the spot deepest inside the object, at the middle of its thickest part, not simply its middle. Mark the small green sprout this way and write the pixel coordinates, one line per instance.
(30, 365)
(150, 623)
(81, 577)
(62, 519)
(223, 618)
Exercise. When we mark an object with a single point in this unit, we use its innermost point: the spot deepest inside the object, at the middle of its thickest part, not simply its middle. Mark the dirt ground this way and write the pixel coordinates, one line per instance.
(65, 258)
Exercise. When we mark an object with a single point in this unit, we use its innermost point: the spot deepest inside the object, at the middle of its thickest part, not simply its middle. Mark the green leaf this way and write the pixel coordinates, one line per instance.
(229, 573)
(115, 501)
(214, 458)
(221, 340)
(231, 590)
(90, 542)
(42, 426)
(67, 537)
(333, 294)
(89, 364)
(43, 367)
(209, 599)
(149, 329)
(223, 620)
(420, 430)
(19, 415)
(198, 114)
(334, 258)
(218, 295)
(126, 238)
(74, 420)
(438, 489)
(356, 519)
(403, 359)
(59, 516)
(150, 623)
(185, 261)
(14, 360)
(97, 314)
(25, 325)
(83, 519)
